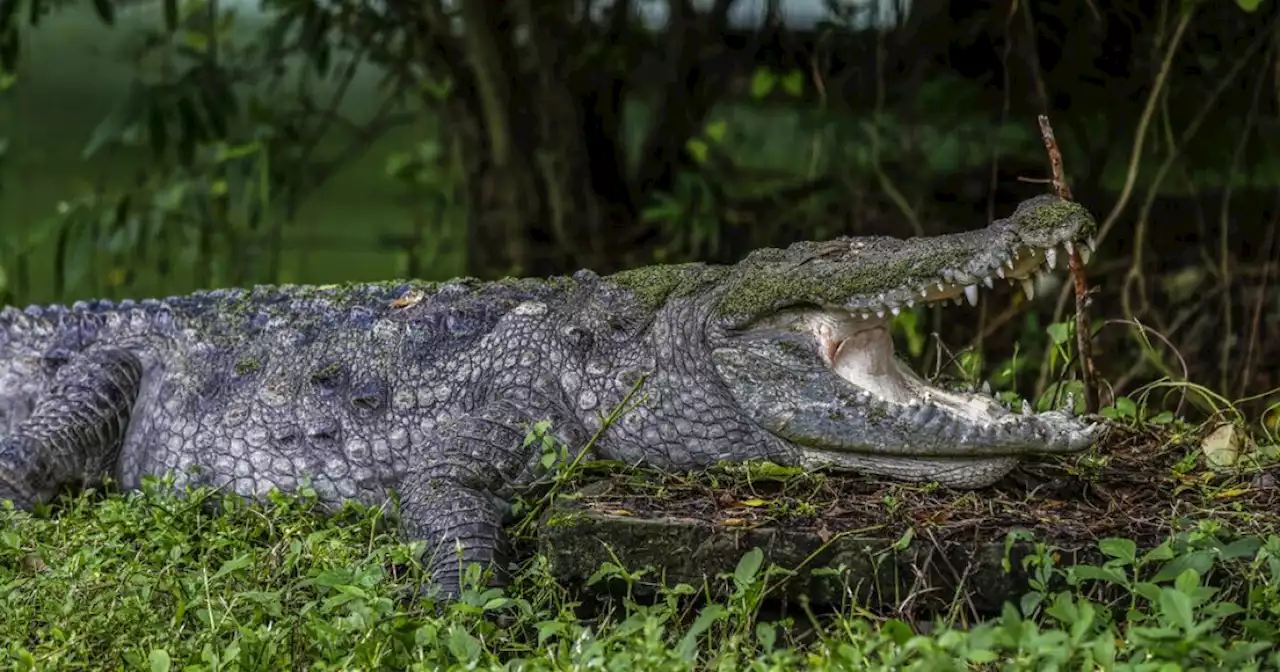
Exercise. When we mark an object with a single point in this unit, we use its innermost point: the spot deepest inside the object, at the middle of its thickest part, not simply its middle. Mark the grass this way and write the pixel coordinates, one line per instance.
(155, 580)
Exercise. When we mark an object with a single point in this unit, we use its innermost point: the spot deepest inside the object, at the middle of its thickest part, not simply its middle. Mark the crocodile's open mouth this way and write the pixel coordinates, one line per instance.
(780, 369)
(857, 344)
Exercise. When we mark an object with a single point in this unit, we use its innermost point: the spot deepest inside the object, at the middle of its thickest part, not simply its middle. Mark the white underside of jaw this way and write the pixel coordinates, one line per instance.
(861, 352)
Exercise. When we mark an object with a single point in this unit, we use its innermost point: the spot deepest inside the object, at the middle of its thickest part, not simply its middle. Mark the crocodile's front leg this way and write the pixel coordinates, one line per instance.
(75, 430)
(449, 501)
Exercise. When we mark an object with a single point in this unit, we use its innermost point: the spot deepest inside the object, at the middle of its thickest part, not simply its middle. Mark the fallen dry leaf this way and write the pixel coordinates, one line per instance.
(1223, 446)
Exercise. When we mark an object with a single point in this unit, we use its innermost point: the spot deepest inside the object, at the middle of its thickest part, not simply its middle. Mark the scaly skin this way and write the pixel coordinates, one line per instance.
(429, 390)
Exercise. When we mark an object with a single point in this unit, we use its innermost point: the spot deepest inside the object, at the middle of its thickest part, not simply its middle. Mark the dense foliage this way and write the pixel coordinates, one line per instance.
(153, 581)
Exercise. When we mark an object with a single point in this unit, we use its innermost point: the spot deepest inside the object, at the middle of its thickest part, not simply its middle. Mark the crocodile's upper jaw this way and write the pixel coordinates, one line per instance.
(824, 378)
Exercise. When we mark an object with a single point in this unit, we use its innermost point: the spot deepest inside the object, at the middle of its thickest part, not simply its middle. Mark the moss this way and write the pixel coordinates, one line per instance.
(792, 348)
(325, 373)
(762, 287)
(1040, 215)
(765, 288)
(564, 519)
(653, 285)
(247, 366)
(773, 279)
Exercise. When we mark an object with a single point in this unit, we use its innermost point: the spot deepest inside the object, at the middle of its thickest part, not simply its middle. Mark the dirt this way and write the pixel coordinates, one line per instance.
(895, 543)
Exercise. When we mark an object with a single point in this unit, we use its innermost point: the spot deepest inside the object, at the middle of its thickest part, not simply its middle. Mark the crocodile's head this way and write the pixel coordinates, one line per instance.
(805, 349)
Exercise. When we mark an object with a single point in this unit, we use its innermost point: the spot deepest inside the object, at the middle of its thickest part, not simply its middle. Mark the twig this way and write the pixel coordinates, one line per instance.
(1083, 343)
(1246, 372)
(1224, 235)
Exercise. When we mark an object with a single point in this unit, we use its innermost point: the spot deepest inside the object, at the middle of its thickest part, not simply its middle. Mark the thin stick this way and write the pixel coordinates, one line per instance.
(1084, 342)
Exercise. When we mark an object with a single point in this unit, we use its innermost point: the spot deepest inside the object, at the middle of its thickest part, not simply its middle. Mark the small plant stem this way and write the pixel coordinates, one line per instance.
(1084, 344)
(624, 406)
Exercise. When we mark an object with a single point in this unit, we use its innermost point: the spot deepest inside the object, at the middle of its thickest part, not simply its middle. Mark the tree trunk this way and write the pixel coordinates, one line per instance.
(546, 186)
(540, 207)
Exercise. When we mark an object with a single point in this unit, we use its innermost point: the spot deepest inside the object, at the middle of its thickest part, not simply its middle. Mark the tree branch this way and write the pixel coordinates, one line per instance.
(491, 76)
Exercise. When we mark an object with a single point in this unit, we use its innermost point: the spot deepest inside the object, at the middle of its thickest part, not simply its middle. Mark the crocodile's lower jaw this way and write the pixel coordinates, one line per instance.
(954, 472)
(861, 352)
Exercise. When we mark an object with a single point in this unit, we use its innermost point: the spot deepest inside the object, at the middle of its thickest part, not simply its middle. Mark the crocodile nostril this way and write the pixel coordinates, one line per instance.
(324, 429)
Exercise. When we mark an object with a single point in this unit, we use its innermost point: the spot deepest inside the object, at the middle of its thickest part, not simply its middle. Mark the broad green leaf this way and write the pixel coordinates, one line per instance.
(793, 83)
(1127, 407)
(767, 635)
(1244, 547)
(717, 129)
(698, 148)
(462, 645)
(1095, 573)
(1176, 606)
(1201, 561)
(762, 82)
(159, 659)
(1121, 549)
(747, 567)
(688, 647)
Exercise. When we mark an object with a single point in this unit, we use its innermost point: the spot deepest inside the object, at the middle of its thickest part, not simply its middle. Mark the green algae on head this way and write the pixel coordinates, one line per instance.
(768, 287)
(653, 285)
(879, 274)
(1047, 219)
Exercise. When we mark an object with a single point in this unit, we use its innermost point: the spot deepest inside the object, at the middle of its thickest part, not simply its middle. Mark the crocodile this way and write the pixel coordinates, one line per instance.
(424, 394)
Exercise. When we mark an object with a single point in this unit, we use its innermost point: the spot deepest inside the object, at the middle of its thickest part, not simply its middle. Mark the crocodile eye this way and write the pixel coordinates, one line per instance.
(578, 337)
(54, 358)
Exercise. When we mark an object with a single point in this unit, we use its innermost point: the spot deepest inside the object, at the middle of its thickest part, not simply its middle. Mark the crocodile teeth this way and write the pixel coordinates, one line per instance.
(879, 312)
(941, 287)
(1051, 256)
(958, 300)
(1009, 262)
(924, 291)
(911, 303)
(1026, 407)
(1000, 272)
(1093, 244)
(1085, 253)
(895, 310)
(986, 388)
(1068, 247)
(987, 281)
(971, 293)
(1029, 287)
